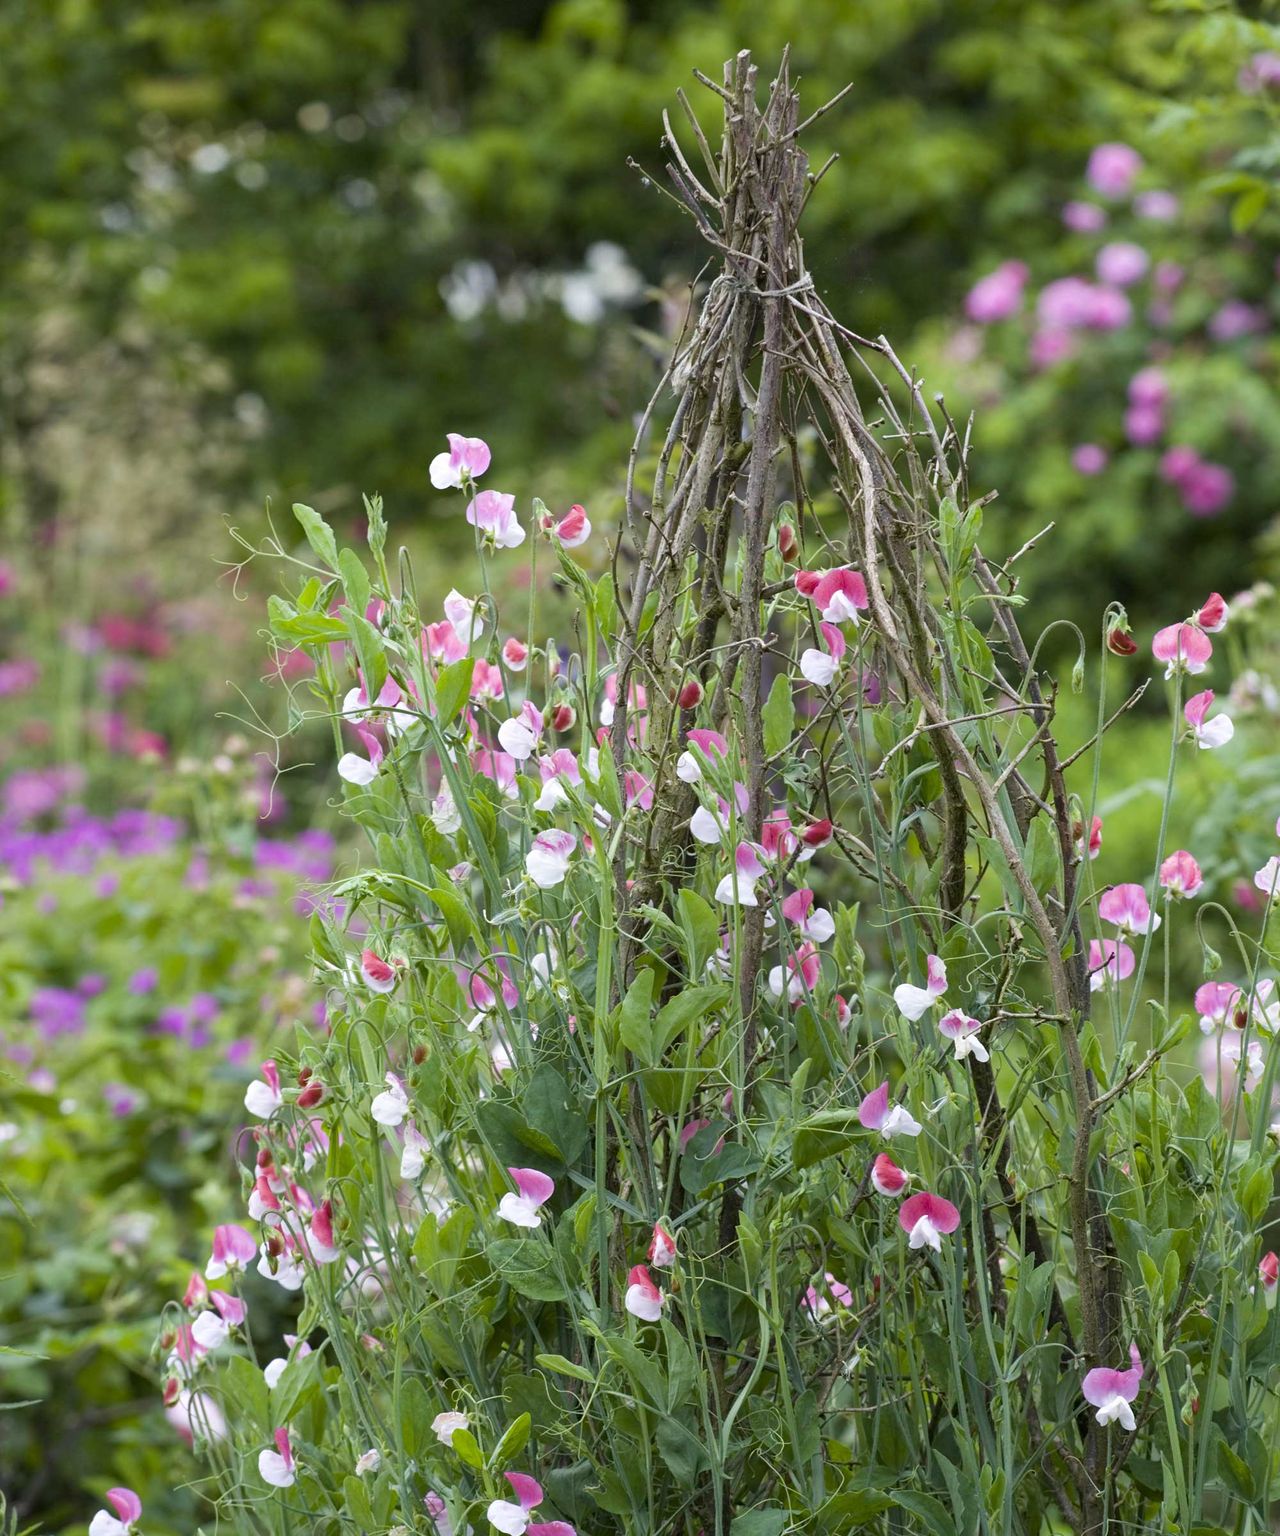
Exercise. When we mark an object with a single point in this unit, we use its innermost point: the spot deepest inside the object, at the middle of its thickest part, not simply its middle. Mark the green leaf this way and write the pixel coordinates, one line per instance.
(467, 1449)
(371, 651)
(302, 628)
(415, 1417)
(563, 1367)
(456, 914)
(301, 1381)
(319, 534)
(635, 1027)
(701, 927)
(778, 716)
(527, 1266)
(514, 1439)
(453, 688)
(244, 1392)
(550, 1109)
(825, 1134)
(684, 1009)
(930, 1512)
(355, 580)
(760, 1522)
(685, 1455)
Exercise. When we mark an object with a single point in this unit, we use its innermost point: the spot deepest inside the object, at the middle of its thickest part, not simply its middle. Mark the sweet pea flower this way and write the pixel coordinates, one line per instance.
(913, 1001)
(492, 513)
(662, 1247)
(358, 770)
(515, 654)
(276, 1467)
(263, 1097)
(1094, 846)
(275, 1369)
(813, 922)
(1232, 1048)
(233, 1248)
(799, 976)
(391, 1106)
(521, 734)
(467, 459)
(513, 1519)
(838, 595)
(1112, 1392)
(211, 1329)
(324, 1248)
(1268, 1277)
(876, 1114)
(1208, 734)
(378, 975)
(1182, 647)
(1180, 874)
(998, 295)
(1122, 263)
(547, 862)
(927, 1219)
(1219, 1003)
(819, 667)
(413, 1158)
(1127, 908)
(887, 1178)
(128, 1511)
(444, 1425)
(643, 1299)
(1112, 960)
(739, 887)
(817, 1305)
(524, 1209)
(370, 1461)
(962, 1031)
(556, 770)
(1267, 879)
(1112, 169)
(463, 614)
(1213, 614)
(574, 529)
(710, 745)
(1089, 459)
(1084, 218)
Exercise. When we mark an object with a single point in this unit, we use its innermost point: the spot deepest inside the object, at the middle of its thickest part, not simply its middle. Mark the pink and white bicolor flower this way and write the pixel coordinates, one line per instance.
(556, 770)
(574, 528)
(819, 666)
(524, 1208)
(463, 614)
(1213, 614)
(275, 1369)
(887, 1178)
(1112, 1392)
(962, 1031)
(739, 887)
(233, 1249)
(513, 1519)
(913, 1002)
(1127, 907)
(1208, 734)
(1109, 961)
(1269, 1277)
(212, 1329)
(263, 1097)
(838, 595)
(875, 1113)
(467, 459)
(1180, 874)
(1218, 1003)
(1183, 648)
(493, 514)
(521, 734)
(662, 1247)
(814, 923)
(926, 1219)
(712, 827)
(515, 654)
(128, 1511)
(391, 1106)
(358, 770)
(547, 862)
(799, 976)
(643, 1299)
(710, 745)
(378, 974)
(276, 1467)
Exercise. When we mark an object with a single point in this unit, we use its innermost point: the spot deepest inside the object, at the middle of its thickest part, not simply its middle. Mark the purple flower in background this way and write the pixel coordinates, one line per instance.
(1121, 263)
(171, 1021)
(121, 1100)
(117, 676)
(1089, 459)
(1112, 169)
(143, 981)
(55, 1012)
(1207, 489)
(1148, 387)
(241, 1052)
(1143, 424)
(19, 676)
(1261, 73)
(92, 985)
(1168, 276)
(1236, 319)
(1050, 345)
(1084, 218)
(1177, 463)
(8, 578)
(107, 886)
(998, 295)
(1162, 207)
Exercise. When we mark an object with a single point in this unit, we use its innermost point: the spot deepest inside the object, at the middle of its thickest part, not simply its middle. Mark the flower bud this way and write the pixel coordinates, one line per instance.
(304, 1077)
(562, 717)
(311, 1095)
(419, 1055)
(788, 544)
(172, 1387)
(1120, 642)
(691, 694)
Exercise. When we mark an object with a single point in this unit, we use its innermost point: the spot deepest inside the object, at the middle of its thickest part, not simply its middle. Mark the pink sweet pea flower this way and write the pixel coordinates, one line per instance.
(799, 976)
(962, 1031)
(1213, 616)
(1112, 960)
(1219, 1003)
(838, 595)
(1122, 263)
(912, 1001)
(739, 887)
(887, 1178)
(1208, 734)
(1180, 874)
(378, 975)
(710, 745)
(196, 1294)
(128, 1511)
(998, 295)
(233, 1248)
(513, 1519)
(927, 1219)
(209, 1330)
(467, 459)
(1095, 838)
(362, 770)
(557, 769)
(463, 614)
(276, 1467)
(486, 682)
(820, 666)
(876, 1114)
(574, 529)
(637, 790)
(324, 1250)
(493, 514)
(778, 841)
(263, 1097)
(1112, 169)
(818, 834)
(813, 922)
(1267, 879)
(1182, 647)
(643, 1299)
(440, 642)
(1126, 906)
(1111, 1392)
(524, 1209)
(515, 654)
(712, 827)
(1268, 1277)
(521, 734)
(662, 1247)
(547, 862)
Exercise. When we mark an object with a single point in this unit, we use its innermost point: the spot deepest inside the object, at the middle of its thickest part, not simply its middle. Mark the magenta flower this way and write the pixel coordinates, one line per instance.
(233, 1249)
(1109, 961)
(1207, 489)
(1219, 1003)
(574, 528)
(128, 1511)
(738, 888)
(709, 745)
(819, 667)
(1208, 734)
(799, 976)
(662, 1247)
(1182, 647)
(887, 1178)
(1084, 218)
(838, 595)
(1143, 425)
(515, 654)
(467, 459)
(276, 1467)
(513, 1519)
(379, 976)
(1112, 1392)
(813, 922)
(998, 295)
(927, 1219)
(962, 1031)
(1180, 874)
(1148, 387)
(493, 513)
(1112, 169)
(914, 1001)
(1268, 1278)
(1126, 906)
(1089, 459)
(263, 1097)
(643, 1299)
(523, 1209)
(1121, 263)
(875, 1113)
